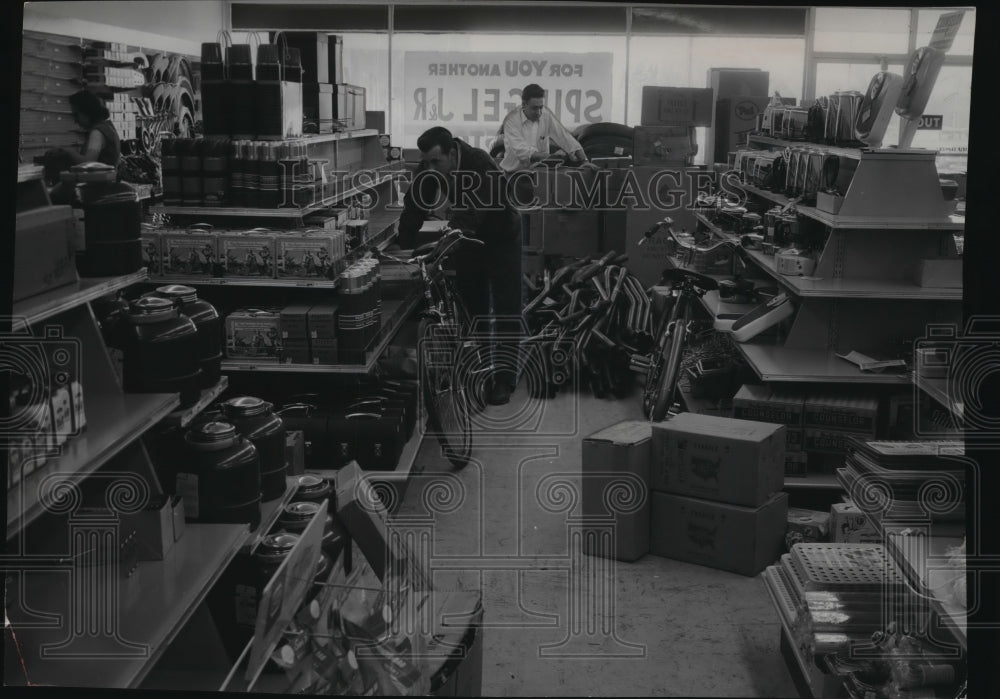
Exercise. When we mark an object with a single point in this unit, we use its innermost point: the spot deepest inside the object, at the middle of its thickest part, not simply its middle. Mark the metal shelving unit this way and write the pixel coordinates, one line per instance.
(35, 309)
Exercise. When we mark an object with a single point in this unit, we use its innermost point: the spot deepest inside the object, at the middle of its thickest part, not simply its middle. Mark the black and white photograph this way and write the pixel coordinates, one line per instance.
(507, 348)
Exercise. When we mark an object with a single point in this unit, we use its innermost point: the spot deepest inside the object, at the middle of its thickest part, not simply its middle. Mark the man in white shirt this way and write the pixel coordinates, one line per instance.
(528, 130)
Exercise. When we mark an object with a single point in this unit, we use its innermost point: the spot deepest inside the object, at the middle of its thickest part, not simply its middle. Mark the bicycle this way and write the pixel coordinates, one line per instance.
(664, 362)
(444, 325)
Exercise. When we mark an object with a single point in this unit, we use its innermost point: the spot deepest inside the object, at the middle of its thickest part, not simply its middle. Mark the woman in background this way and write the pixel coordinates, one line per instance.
(103, 144)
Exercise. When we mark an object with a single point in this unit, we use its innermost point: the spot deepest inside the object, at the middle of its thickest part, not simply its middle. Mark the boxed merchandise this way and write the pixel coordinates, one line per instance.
(796, 464)
(327, 222)
(323, 323)
(849, 525)
(826, 441)
(719, 458)
(617, 459)
(570, 233)
(356, 232)
(676, 106)
(806, 526)
(151, 251)
(254, 333)
(851, 413)
(295, 324)
(157, 526)
(308, 255)
(247, 255)
(324, 352)
(189, 253)
(762, 403)
(794, 439)
(45, 250)
(296, 353)
(664, 145)
(742, 540)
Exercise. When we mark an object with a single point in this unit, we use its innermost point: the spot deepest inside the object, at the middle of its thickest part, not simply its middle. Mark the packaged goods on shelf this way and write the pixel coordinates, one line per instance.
(616, 463)
(824, 441)
(189, 253)
(295, 323)
(743, 540)
(45, 251)
(664, 145)
(723, 459)
(356, 231)
(151, 256)
(764, 404)
(796, 464)
(857, 414)
(848, 524)
(307, 255)
(322, 322)
(806, 526)
(794, 439)
(295, 452)
(254, 333)
(249, 254)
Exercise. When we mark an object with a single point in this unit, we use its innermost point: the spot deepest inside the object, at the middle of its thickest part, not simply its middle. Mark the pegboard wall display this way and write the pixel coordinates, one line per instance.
(151, 94)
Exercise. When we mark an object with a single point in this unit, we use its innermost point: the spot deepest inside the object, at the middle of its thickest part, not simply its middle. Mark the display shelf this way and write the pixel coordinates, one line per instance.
(928, 579)
(184, 416)
(394, 312)
(286, 212)
(269, 514)
(937, 388)
(813, 481)
(843, 287)
(151, 607)
(774, 363)
(405, 468)
(950, 223)
(27, 173)
(37, 308)
(113, 422)
(834, 150)
(311, 139)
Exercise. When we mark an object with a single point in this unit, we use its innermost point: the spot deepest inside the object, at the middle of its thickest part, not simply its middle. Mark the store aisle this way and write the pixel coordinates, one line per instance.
(662, 628)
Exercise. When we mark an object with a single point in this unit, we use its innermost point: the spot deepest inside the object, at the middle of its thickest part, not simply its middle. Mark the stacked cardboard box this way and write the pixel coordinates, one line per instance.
(716, 499)
(765, 404)
(616, 459)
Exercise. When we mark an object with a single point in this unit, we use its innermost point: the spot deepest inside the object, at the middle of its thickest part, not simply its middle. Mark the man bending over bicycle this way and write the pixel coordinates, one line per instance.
(469, 181)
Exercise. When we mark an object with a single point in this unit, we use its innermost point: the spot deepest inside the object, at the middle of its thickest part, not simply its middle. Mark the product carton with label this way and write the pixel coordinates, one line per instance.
(676, 106)
(718, 458)
(616, 463)
(849, 525)
(761, 402)
(857, 414)
(306, 256)
(247, 255)
(743, 540)
(254, 333)
(806, 526)
(189, 253)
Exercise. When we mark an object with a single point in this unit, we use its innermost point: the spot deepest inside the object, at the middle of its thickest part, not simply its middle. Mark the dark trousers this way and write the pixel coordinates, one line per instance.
(488, 277)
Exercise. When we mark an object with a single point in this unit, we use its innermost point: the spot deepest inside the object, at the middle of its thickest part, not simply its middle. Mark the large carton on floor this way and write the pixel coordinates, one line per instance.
(849, 525)
(718, 458)
(743, 540)
(617, 459)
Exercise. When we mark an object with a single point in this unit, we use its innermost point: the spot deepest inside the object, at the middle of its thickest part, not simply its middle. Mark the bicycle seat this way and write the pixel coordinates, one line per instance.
(701, 281)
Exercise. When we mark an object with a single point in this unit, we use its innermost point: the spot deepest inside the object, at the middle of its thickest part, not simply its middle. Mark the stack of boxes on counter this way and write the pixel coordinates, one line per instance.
(819, 425)
(46, 409)
(123, 112)
(329, 104)
(324, 333)
(702, 489)
(112, 65)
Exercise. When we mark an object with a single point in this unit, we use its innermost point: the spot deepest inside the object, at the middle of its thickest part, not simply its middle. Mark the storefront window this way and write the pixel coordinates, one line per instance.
(366, 64)
(468, 83)
(857, 30)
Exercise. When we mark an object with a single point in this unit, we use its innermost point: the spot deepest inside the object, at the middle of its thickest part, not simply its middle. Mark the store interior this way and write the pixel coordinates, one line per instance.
(256, 443)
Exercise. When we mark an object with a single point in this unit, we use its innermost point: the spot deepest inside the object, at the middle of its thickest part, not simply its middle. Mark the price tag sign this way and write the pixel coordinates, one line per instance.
(930, 122)
(284, 594)
(946, 30)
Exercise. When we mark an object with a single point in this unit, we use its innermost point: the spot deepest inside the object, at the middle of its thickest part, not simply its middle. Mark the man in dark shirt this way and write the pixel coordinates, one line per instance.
(469, 181)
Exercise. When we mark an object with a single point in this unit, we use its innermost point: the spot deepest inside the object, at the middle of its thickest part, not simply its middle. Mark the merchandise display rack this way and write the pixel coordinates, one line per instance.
(184, 416)
(35, 309)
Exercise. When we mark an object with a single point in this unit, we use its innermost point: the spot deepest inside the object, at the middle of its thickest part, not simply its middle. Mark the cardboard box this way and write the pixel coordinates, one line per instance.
(762, 403)
(570, 233)
(676, 106)
(851, 413)
(559, 188)
(310, 256)
(189, 253)
(743, 540)
(44, 254)
(664, 145)
(718, 458)
(324, 352)
(806, 526)
(830, 203)
(827, 441)
(151, 257)
(296, 352)
(735, 117)
(849, 525)
(323, 322)
(794, 439)
(617, 458)
(940, 273)
(157, 527)
(295, 324)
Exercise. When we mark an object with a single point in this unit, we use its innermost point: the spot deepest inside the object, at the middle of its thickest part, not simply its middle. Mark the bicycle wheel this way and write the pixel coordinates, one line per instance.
(448, 416)
(667, 384)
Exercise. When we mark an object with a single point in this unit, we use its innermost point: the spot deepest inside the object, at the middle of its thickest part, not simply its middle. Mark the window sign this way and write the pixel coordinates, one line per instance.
(470, 93)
